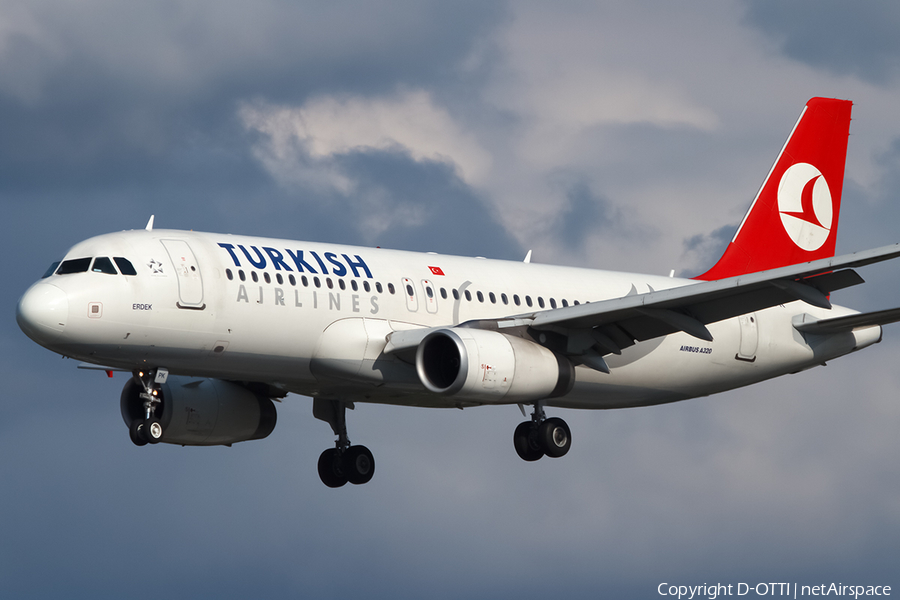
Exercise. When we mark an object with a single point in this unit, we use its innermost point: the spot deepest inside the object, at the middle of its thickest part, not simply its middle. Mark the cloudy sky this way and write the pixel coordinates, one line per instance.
(629, 137)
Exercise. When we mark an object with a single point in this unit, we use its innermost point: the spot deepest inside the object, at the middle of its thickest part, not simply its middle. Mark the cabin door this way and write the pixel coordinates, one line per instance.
(190, 282)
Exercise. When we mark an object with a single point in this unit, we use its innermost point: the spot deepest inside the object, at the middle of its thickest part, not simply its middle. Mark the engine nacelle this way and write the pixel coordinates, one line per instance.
(476, 364)
(204, 412)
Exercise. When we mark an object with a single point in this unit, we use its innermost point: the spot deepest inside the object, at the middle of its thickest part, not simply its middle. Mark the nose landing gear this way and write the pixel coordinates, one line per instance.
(149, 430)
(542, 436)
(343, 463)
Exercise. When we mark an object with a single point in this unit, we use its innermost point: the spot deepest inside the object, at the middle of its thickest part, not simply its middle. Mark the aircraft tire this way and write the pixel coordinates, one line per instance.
(136, 431)
(331, 470)
(153, 430)
(555, 437)
(525, 442)
(358, 464)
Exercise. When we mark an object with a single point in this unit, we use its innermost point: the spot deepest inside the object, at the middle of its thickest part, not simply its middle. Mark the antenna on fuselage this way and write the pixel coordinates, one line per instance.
(527, 257)
(149, 226)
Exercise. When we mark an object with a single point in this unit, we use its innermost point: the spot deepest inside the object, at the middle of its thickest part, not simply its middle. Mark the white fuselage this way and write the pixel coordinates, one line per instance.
(313, 319)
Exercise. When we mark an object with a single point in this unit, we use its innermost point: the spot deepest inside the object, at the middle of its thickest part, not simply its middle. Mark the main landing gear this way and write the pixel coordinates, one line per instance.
(541, 436)
(343, 463)
(149, 430)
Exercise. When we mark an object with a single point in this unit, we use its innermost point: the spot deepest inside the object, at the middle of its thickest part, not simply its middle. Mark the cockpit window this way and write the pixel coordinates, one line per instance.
(51, 270)
(102, 264)
(125, 266)
(74, 265)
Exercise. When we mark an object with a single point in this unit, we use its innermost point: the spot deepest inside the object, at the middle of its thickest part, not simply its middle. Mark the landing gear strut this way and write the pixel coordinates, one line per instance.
(542, 436)
(343, 463)
(149, 429)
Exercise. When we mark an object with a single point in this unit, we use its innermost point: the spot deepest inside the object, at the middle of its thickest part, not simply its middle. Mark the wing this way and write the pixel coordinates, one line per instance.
(691, 307)
(595, 329)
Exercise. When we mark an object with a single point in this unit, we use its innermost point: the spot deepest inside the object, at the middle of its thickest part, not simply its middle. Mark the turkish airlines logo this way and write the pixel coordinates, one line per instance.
(804, 202)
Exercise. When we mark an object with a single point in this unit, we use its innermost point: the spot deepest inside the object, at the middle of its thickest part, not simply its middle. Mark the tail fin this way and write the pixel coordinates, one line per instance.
(794, 217)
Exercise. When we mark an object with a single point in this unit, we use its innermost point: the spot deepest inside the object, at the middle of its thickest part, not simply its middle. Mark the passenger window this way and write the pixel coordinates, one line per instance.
(267, 278)
(254, 276)
(565, 302)
(125, 266)
(528, 300)
(575, 303)
(378, 287)
(354, 285)
(455, 294)
(493, 298)
(409, 290)
(279, 278)
(516, 300)
(241, 275)
(304, 281)
(552, 303)
(391, 288)
(292, 279)
(329, 283)
(103, 265)
(75, 265)
(51, 270)
(540, 302)
(504, 298)
(341, 284)
(229, 274)
(480, 296)
(444, 293)
(316, 282)
(468, 295)
(366, 286)
(429, 292)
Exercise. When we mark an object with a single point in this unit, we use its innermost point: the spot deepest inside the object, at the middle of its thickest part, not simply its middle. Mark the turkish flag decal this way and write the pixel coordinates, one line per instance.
(436, 271)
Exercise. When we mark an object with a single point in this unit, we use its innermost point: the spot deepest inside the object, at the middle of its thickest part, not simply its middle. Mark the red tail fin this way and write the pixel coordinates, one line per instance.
(794, 217)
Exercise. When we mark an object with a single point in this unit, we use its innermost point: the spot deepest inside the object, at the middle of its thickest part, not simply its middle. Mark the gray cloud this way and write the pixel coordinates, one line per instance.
(858, 39)
(585, 216)
(705, 249)
(118, 89)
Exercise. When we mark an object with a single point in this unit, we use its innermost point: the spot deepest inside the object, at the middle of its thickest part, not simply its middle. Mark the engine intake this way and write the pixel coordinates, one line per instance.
(204, 412)
(476, 364)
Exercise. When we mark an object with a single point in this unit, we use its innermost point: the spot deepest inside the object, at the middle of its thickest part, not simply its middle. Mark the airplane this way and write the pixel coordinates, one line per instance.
(213, 328)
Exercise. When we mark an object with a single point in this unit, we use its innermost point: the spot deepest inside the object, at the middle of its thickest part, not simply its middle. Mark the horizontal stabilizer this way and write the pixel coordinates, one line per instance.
(849, 323)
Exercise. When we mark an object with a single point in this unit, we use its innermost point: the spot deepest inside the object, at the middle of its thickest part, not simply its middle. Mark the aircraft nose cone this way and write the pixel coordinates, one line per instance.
(42, 312)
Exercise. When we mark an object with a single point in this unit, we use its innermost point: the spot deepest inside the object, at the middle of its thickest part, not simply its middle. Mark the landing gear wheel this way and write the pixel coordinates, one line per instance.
(359, 464)
(526, 443)
(153, 430)
(331, 469)
(554, 437)
(137, 433)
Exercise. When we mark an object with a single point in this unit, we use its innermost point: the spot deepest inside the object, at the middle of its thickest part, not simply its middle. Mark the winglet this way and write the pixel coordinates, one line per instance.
(149, 226)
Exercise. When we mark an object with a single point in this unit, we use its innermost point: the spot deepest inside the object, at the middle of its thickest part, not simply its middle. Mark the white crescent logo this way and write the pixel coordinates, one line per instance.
(804, 202)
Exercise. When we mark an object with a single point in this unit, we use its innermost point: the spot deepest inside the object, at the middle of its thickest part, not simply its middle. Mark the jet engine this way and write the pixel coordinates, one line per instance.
(204, 412)
(489, 366)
